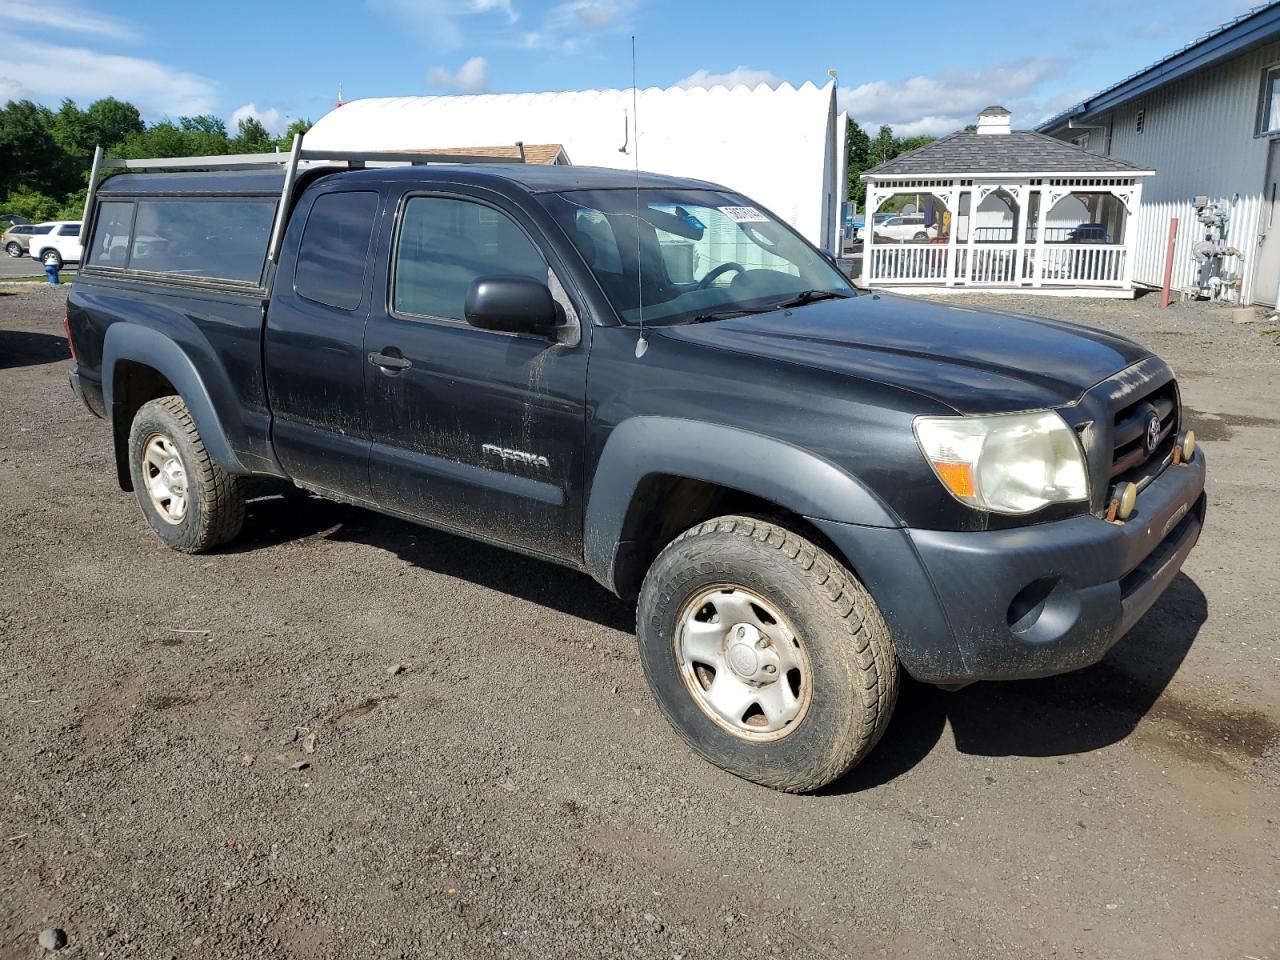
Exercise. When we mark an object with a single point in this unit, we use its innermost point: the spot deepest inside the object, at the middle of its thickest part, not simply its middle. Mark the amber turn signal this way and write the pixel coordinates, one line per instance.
(957, 476)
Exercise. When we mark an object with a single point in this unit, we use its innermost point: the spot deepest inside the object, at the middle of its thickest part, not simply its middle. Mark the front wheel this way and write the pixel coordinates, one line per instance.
(13, 249)
(768, 657)
(51, 258)
(192, 504)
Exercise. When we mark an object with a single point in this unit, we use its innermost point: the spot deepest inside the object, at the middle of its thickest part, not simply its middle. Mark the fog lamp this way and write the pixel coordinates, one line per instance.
(1123, 499)
(1186, 447)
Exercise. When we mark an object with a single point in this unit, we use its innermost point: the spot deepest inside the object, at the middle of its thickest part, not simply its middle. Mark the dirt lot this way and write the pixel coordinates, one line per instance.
(513, 791)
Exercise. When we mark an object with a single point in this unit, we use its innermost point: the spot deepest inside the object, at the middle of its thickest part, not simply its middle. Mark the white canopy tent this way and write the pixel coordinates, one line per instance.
(783, 147)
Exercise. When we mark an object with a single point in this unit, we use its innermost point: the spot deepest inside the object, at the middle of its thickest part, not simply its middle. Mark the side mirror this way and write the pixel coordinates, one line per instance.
(511, 305)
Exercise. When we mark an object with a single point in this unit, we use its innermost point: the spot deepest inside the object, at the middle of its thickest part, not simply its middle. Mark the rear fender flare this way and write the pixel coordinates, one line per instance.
(155, 350)
(764, 467)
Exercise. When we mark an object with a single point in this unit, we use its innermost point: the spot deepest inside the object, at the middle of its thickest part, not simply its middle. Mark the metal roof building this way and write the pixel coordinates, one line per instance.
(1207, 117)
(1002, 210)
(783, 146)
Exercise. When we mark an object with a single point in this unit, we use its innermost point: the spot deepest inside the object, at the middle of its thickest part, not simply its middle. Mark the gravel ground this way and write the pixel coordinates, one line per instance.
(350, 737)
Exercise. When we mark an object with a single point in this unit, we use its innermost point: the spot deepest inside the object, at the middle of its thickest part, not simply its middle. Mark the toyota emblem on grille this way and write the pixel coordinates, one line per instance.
(1153, 433)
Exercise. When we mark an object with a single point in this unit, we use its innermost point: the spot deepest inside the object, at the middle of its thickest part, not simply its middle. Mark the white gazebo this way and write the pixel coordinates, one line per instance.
(1002, 210)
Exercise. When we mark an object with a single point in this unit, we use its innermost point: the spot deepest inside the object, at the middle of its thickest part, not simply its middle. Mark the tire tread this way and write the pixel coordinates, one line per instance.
(877, 672)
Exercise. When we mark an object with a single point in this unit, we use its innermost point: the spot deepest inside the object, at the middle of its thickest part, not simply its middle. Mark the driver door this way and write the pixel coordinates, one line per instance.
(474, 430)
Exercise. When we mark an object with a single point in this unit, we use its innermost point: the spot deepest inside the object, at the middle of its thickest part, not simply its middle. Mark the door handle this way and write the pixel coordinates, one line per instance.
(389, 362)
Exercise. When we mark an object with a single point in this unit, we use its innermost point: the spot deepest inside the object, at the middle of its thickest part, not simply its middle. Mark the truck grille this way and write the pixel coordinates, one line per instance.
(1130, 455)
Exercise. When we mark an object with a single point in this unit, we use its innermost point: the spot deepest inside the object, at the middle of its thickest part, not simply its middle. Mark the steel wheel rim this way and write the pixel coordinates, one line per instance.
(165, 477)
(743, 663)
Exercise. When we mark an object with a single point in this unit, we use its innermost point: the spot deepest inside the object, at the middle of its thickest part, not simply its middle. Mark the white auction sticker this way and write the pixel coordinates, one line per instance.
(744, 214)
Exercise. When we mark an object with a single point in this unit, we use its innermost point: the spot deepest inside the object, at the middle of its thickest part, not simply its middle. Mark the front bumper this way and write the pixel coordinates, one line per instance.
(1030, 601)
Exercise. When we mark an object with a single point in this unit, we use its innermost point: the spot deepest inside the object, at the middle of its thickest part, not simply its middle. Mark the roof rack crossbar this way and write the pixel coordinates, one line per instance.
(259, 161)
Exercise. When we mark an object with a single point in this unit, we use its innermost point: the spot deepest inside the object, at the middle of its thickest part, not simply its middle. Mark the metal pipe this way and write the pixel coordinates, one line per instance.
(86, 221)
(286, 192)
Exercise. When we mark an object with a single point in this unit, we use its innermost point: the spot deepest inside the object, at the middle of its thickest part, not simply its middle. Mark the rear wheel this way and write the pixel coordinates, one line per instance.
(51, 258)
(768, 657)
(192, 504)
(13, 249)
(921, 237)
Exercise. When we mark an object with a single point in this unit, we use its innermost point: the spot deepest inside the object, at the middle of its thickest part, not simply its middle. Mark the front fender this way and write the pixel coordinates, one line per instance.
(763, 467)
(126, 341)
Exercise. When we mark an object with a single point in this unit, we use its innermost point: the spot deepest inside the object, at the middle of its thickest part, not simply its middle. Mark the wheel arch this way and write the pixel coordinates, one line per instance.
(140, 364)
(657, 476)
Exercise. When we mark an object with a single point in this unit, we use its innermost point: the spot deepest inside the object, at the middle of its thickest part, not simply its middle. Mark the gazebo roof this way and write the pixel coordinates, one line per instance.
(1015, 152)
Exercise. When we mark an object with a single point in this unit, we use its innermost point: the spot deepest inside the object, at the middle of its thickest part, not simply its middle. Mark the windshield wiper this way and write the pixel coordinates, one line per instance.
(795, 300)
(810, 296)
(727, 314)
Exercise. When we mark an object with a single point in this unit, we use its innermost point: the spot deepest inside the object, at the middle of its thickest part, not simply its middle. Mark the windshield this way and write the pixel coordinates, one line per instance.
(698, 254)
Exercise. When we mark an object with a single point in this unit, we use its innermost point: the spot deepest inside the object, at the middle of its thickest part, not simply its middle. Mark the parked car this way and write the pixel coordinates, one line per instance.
(61, 244)
(860, 222)
(903, 229)
(804, 490)
(17, 239)
(1089, 233)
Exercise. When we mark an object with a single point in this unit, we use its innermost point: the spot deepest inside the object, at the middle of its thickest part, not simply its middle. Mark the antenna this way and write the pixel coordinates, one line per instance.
(643, 343)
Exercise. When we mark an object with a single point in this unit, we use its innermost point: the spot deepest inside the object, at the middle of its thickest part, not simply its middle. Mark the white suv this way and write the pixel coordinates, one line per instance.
(905, 229)
(60, 245)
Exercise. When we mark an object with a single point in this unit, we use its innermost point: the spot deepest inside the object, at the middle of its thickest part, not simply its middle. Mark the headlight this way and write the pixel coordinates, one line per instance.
(1011, 463)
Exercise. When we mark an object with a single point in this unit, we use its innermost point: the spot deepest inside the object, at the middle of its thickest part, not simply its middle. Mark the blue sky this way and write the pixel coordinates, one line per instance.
(923, 67)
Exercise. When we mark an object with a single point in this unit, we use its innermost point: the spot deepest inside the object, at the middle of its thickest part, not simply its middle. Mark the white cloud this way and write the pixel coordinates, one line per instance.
(738, 75)
(70, 19)
(10, 89)
(950, 99)
(439, 23)
(50, 72)
(572, 25)
(269, 118)
(471, 77)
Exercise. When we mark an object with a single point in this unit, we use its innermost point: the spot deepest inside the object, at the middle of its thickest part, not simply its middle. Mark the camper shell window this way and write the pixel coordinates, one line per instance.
(200, 239)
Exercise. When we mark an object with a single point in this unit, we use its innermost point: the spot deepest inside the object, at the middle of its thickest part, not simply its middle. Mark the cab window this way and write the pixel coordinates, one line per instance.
(445, 243)
(334, 251)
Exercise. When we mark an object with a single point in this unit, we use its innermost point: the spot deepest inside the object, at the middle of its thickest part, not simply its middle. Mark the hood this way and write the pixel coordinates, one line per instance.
(973, 361)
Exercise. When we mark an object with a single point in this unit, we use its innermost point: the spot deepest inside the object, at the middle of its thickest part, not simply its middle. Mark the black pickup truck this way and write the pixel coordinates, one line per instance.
(658, 382)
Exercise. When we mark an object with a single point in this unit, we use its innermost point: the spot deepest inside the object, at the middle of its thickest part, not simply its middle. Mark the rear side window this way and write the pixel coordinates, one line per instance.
(204, 239)
(333, 256)
(110, 247)
(445, 244)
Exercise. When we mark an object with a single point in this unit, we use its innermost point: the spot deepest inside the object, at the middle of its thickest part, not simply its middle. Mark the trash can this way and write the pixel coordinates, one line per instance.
(51, 271)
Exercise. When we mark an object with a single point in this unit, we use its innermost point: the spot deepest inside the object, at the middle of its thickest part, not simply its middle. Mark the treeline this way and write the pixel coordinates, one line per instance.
(865, 152)
(45, 154)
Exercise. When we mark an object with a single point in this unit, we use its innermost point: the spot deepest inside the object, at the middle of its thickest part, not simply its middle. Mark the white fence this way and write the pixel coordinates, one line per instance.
(910, 262)
(998, 264)
(1086, 264)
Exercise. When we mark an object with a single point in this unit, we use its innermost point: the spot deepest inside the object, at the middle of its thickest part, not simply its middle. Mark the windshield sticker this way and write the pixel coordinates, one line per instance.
(744, 214)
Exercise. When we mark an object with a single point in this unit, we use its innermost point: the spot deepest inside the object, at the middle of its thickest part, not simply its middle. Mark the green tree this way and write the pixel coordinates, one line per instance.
(252, 137)
(297, 126)
(113, 120)
(29, 156)
(204, 136)
(863, 153)
(858, 154)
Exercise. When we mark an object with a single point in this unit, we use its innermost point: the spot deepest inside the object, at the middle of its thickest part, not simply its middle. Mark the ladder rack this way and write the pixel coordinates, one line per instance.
(289, 162)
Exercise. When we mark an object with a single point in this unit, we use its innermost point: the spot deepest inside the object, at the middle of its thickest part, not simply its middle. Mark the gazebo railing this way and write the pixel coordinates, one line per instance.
(910, 262)
(999, 264)
(1083, 264)
(988, 263)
